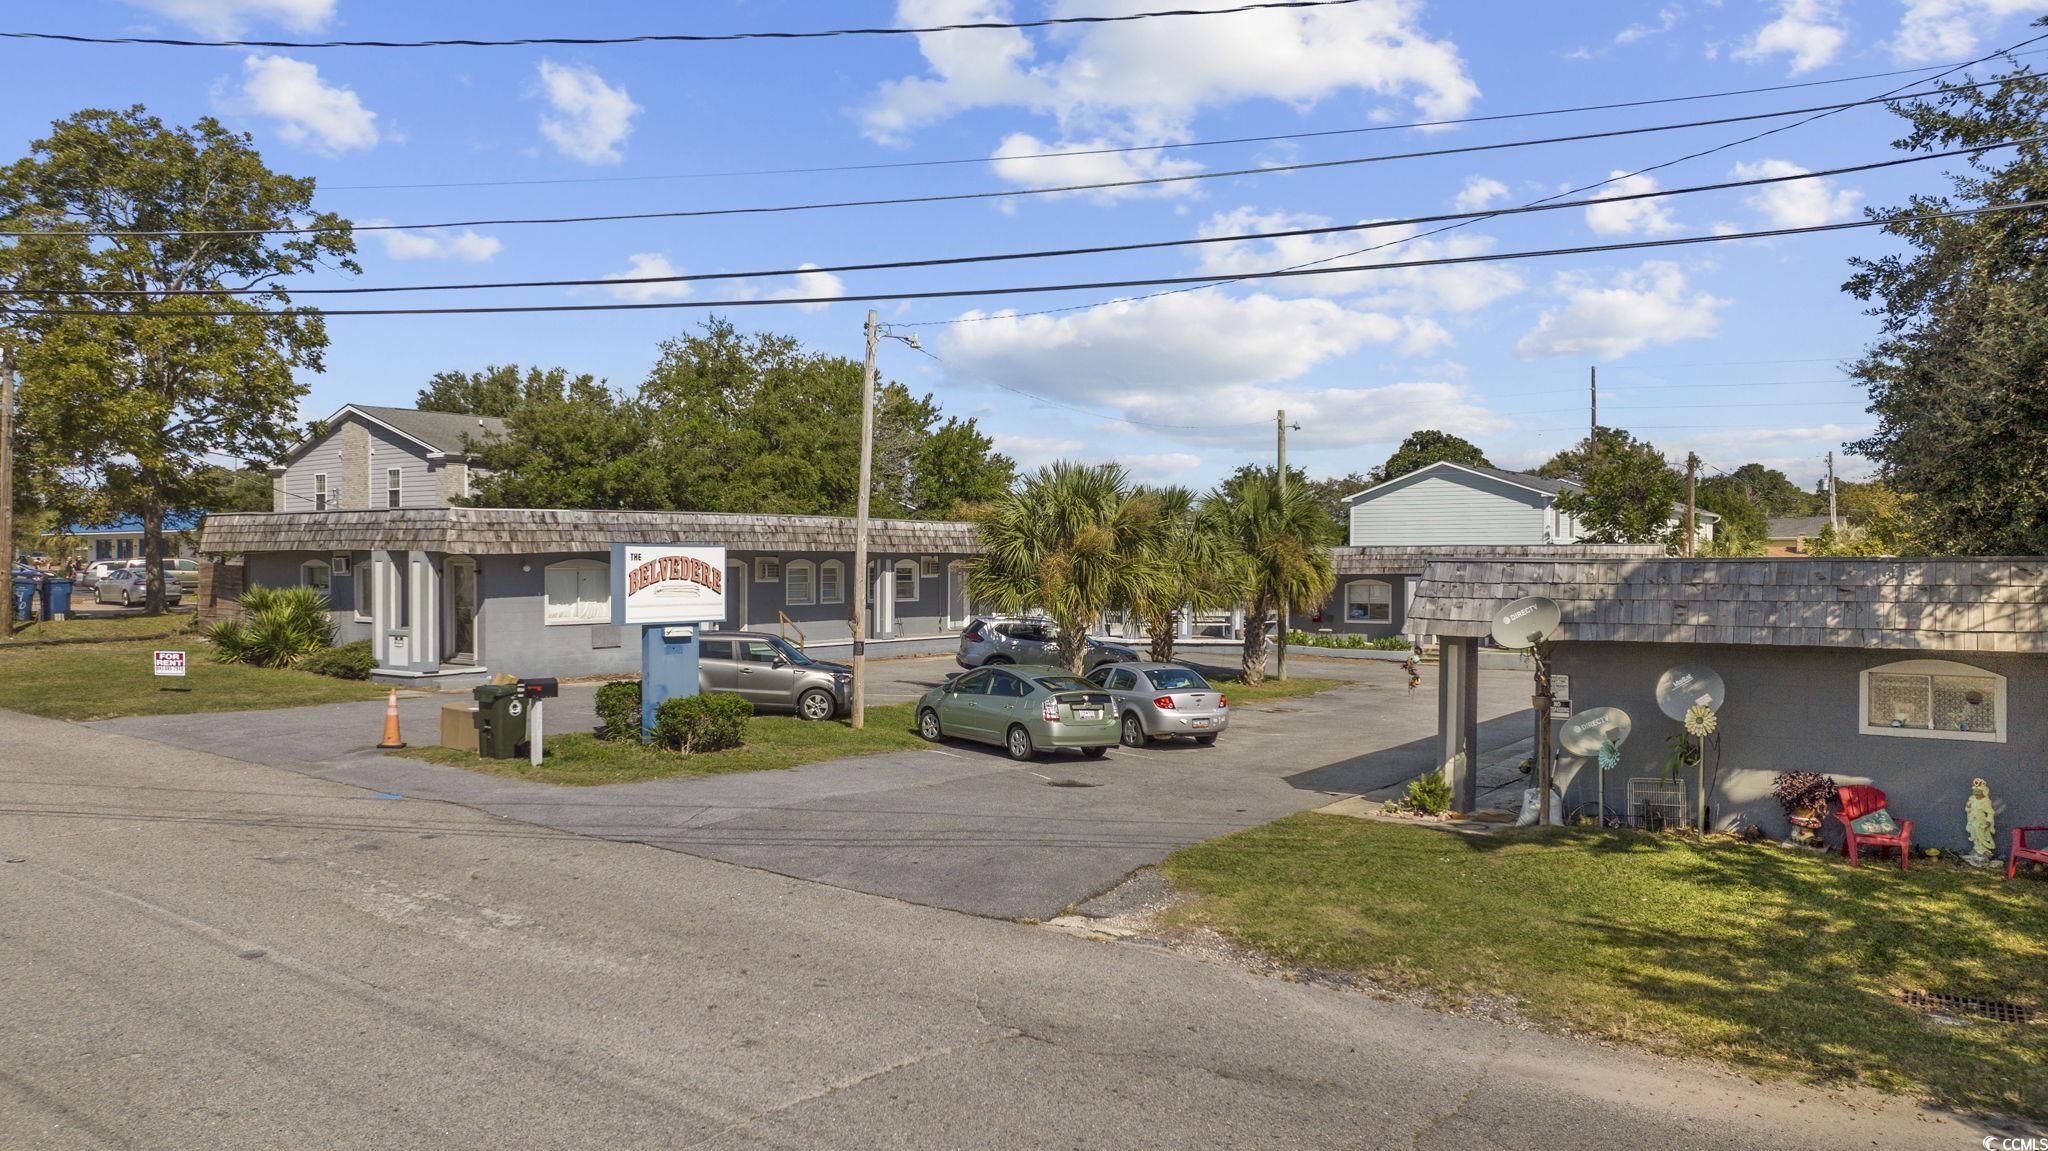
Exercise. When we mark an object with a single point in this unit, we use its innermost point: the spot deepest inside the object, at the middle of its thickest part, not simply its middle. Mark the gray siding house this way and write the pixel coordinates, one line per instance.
(378, 457)
(1914, 675)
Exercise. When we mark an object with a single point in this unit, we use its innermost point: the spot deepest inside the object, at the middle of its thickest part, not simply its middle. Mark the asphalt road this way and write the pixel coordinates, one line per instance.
(958, 826)
(205, 953)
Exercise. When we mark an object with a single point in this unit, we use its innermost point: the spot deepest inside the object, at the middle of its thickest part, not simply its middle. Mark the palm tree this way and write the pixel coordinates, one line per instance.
(1071, 539)
(1186, 564)
(1276, 546)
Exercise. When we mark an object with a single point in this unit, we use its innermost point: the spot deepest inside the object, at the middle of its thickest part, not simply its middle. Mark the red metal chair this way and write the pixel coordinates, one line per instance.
(1859, 800)
(2021, 851)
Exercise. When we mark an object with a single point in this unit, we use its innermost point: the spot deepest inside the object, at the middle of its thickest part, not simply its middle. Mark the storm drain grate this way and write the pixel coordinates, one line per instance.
(1995, 1009)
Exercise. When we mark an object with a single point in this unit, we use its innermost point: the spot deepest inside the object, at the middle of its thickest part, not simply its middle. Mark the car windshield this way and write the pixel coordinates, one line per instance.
(1063, 683)
(1178, 679)
(791, 652)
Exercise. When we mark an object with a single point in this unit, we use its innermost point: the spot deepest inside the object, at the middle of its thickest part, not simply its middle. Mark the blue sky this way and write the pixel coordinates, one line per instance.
(1731, 349)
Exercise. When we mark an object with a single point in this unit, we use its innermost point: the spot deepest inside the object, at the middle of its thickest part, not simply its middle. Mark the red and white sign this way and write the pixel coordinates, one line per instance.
(660, 584)
(170, 663)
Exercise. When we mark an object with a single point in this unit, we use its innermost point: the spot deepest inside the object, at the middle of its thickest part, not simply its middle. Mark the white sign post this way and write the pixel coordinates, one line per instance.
(668, 592)
(170, 663)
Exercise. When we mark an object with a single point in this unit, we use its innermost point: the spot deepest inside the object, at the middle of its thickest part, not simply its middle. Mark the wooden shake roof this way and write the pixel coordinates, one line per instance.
(519, 531)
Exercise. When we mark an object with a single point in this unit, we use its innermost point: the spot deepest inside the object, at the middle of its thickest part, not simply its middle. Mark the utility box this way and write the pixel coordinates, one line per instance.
(458, 726)
(500, 720)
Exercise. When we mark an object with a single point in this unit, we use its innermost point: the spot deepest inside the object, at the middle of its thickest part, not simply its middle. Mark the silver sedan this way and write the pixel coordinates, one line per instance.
(1163, 700)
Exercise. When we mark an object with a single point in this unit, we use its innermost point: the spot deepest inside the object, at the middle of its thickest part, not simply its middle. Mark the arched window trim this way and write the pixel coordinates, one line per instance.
(1385, 607)
(838, 571)
(906, 589)
(325, 584)
(800, 583)
(593, 602)
(1936, 712)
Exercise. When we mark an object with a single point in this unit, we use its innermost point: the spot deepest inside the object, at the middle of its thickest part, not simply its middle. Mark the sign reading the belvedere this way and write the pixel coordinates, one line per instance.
(658, 584)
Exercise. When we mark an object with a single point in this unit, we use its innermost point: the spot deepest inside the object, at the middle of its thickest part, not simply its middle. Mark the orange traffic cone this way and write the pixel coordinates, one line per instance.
(391, 738)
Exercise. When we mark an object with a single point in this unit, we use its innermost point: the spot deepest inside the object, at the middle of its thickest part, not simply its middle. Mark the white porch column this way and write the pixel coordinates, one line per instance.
(425, 589)
(885, 599)
(381, 606)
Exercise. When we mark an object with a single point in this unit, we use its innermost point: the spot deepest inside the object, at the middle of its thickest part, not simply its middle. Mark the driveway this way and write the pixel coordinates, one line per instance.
(958, 826)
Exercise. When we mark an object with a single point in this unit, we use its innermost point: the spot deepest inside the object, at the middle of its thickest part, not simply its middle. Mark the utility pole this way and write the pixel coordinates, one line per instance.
(1692, 474)
(860, 526)
(1280, 422)
(1593, 415)
(1833, 520)
(7, 483)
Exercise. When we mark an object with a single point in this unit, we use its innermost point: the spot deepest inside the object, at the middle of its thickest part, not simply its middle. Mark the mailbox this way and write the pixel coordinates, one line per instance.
(540, 688)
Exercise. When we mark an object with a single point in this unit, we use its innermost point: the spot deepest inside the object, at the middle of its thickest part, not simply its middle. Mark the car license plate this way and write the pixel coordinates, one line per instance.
(1198, 723)
(1087, 713)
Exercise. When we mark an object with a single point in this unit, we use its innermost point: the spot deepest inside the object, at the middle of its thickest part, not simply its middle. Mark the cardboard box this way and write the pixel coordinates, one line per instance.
(458, 726)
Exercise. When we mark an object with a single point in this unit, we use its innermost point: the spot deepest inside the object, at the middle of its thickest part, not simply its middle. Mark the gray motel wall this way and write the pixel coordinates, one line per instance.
(1356, 595)
(1798, 708)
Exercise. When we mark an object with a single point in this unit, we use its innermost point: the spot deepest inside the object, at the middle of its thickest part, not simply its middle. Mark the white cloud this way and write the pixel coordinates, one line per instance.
(1946, 29)
(1480, 192)
(1667, 19)
(645, 264)
(1036, 451)
(810, 283)
(437, 244)
(1638, 309)
(230, 17)
(1811, 32)
(1452, 288)
(1144, 84)
(591, 119)
(1799, 203)
(1160, 467)
(306, 109)
(1103, 168)
(1629, 217)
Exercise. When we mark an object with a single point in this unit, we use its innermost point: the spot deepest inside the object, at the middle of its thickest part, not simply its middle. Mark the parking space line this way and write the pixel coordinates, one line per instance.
(953, 754)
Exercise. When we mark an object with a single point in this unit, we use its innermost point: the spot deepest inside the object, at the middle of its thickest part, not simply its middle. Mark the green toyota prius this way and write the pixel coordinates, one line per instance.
(1023, 708)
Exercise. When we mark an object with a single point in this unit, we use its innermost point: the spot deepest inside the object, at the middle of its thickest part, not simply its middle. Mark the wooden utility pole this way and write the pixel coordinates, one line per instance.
(860, 526)
(7, 483)
(1593, 416)
(1280, 422)
(1692, 474)
(1833, 520)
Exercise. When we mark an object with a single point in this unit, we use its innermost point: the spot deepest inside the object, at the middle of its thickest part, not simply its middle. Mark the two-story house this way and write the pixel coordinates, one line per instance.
(378, 457)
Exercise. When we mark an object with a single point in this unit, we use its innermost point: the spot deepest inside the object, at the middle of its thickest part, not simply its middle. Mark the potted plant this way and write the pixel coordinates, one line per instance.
(1805, 796)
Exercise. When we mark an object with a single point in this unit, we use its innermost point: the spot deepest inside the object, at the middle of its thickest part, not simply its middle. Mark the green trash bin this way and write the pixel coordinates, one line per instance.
(500, 720)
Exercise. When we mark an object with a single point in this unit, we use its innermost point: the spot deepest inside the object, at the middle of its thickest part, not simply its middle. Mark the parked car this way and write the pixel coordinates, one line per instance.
(1163, 700)
(1024, 709)
(93, 573)
(1000, 640)
(772, 674)
(183, 572)
(129, 586)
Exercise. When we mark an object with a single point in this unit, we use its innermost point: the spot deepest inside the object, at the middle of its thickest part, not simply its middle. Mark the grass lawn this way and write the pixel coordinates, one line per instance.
(102, 680)
(1780, 961)
(106, 627)
(774, 742)
(1295, 685)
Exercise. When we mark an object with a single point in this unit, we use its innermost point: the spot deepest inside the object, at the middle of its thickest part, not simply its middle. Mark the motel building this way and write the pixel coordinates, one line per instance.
(365, 513)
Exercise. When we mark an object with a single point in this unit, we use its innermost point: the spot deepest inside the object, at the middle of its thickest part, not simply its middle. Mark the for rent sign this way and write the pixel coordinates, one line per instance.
(660, 584)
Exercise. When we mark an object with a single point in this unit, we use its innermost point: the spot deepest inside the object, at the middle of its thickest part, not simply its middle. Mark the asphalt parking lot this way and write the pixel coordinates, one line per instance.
(958, 826)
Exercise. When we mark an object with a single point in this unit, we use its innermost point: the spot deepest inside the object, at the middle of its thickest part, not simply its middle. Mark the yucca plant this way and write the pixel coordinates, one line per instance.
(278, 628)
(1275, 545)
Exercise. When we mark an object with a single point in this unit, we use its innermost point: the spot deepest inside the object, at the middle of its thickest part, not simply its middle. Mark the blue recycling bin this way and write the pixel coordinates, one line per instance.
(24, 597)
(56, 596)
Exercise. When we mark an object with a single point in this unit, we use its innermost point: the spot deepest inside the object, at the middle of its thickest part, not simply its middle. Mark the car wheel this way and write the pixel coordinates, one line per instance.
(1019, 743)
(1094, 752)
(1134, 731)
(816, 704)
(1205, 740)
(928, 726)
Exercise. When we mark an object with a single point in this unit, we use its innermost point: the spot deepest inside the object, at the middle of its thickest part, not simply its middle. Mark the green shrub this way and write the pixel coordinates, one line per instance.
(1429, 794)
(278, 627)
(1351, 642)
(618, 710)
(698, 723)
(349, 661)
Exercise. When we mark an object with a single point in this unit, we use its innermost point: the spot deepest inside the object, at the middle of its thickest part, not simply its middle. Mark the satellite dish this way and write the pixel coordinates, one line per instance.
(1526, 622)
(1688, 685)
(1583, 733)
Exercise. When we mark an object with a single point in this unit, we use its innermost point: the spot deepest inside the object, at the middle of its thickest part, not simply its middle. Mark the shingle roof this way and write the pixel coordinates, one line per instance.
(514, 531)
(1551, 487)
(1792, 527)
(1448, 467)
(1390, 559)
(443, 431)
(1990, 604)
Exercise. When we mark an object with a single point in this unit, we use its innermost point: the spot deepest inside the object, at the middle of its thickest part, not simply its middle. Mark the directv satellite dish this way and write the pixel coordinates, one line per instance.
(1583, 733)
(1526, 622)
(1687, 685)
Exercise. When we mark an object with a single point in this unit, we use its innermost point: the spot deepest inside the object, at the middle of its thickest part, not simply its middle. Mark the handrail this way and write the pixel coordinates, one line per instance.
(783, 622)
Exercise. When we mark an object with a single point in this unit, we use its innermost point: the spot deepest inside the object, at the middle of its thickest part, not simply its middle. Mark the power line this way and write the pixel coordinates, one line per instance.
(1893, 93)
(676, 37)
(1690, 407)
(1625, 387)
(1135, 148)
(1030, 289)
(997, 194)
(1048, 253)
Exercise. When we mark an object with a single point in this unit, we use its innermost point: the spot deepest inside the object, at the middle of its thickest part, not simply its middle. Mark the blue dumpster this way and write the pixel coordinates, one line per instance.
(24, 596)
(56, 597)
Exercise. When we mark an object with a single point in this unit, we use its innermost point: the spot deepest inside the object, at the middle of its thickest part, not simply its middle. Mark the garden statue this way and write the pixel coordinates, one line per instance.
(1979, 821)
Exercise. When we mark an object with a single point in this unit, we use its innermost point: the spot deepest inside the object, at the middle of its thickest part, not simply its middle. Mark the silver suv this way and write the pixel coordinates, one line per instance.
(772, 674)
(1005, 639)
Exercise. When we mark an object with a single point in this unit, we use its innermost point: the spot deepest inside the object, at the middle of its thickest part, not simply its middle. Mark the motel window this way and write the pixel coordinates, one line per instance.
(767, 569)
(125, 549)
(931, 567)
(318, 575)
(394, 488)
(579, 591)
(831, 582)
(1934, 699)
(906, 581)
(1368, 601)
(102, 549)
(319, 491)
(800, 583)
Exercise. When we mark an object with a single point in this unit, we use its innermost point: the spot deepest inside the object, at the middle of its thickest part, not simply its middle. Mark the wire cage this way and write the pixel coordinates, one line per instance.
(1655, 803)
